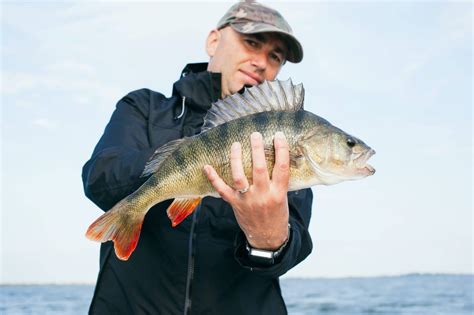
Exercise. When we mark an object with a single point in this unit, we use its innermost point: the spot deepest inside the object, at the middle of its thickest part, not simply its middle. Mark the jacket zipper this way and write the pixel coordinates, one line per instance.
(191, 252)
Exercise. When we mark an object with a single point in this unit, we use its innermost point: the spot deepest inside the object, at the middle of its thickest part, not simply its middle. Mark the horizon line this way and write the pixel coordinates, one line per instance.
(412, 274)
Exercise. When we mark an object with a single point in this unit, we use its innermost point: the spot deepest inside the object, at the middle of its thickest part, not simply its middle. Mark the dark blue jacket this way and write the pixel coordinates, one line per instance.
(200, 266)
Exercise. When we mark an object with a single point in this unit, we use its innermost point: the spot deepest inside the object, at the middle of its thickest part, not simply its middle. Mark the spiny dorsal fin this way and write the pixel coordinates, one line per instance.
(269, 96)
(161, 154)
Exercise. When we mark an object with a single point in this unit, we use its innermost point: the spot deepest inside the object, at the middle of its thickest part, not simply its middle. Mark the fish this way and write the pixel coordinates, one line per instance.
(320, 154)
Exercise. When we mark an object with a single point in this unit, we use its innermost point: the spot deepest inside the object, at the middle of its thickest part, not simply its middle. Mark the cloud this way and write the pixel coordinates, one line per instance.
(457, 21)
(70, 66)
(454, 27)
(15, 83)
(64, 75)
(74, 79)
(45, 123)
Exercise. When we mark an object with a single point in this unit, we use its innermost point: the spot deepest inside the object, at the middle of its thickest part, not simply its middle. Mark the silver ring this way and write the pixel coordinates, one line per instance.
(243, 191)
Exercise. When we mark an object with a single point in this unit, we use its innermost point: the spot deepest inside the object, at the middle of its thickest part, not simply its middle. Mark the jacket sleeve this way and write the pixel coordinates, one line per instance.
(299, 244)
(119, 157)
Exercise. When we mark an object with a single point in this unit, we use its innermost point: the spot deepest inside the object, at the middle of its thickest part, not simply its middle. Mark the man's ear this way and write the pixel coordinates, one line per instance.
(212, 42)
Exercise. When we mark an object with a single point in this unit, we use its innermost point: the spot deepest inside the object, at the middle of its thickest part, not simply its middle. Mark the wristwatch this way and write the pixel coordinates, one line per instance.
(266, 257)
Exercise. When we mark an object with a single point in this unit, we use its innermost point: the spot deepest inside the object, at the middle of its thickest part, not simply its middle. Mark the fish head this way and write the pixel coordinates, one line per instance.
(336, 156)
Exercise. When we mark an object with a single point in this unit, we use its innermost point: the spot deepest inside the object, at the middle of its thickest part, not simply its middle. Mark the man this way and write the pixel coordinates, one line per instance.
(227, 256)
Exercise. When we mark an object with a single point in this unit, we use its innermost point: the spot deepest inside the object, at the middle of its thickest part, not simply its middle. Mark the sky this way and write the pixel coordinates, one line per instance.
(396, 74)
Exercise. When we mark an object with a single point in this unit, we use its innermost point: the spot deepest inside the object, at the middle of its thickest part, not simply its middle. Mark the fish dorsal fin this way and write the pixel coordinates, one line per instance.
(161, 154)
(269, 96)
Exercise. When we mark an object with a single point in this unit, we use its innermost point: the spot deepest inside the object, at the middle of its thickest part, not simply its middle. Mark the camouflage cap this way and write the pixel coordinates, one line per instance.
(250, 17)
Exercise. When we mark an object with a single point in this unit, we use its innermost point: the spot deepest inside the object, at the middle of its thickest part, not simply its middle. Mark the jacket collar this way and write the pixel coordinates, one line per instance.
(200, 87)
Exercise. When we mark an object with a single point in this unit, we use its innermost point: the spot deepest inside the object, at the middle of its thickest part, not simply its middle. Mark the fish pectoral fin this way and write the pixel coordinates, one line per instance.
(269, 153)
(160, 155)
(296, 158)
(181, 208)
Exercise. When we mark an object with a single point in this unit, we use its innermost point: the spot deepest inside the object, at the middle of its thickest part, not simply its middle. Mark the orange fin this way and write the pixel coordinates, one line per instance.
(180, 209)
(120, 226)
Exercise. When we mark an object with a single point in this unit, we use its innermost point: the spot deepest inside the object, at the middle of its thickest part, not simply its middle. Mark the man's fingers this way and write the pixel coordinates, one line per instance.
(281, 170)
(259, 165)
(238, 174)
(219, 185)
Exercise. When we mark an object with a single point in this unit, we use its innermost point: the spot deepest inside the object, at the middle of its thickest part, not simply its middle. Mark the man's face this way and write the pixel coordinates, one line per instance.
(244, 60)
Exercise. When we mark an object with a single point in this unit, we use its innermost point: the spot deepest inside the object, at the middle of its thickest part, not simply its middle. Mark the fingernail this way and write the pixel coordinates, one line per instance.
(280, 135)
(206, 169)
(235, 146)
(255, 135)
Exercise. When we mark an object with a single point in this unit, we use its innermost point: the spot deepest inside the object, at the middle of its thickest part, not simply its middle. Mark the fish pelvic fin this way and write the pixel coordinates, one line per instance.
(160, 155)
(269, 96)
(181, 208)
(120, 226)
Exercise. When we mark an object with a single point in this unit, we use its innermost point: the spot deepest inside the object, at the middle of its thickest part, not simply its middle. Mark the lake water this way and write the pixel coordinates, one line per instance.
(410, 294)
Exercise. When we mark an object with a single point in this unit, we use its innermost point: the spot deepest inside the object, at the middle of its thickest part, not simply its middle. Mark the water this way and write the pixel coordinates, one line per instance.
(45, 299)
(412, 294)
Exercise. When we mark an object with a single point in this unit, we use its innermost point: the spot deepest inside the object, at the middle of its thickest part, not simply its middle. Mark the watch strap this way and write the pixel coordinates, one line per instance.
(266, 257)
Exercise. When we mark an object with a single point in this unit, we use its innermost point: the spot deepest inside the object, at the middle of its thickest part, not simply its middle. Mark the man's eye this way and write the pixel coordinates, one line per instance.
(251, 42)
(276, 58)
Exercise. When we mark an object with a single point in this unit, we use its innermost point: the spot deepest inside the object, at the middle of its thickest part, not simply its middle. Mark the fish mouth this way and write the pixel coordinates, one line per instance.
(365, 168)
(370, 169)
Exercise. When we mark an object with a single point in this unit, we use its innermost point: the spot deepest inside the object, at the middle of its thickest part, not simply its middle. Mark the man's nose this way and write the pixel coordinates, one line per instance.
(259, 60)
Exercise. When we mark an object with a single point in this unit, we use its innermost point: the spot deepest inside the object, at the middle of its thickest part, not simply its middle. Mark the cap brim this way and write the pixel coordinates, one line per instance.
(295, 50)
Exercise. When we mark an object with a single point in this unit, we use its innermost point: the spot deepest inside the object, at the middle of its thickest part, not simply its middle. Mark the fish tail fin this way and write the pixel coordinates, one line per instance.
(120, 226)
(181, 208)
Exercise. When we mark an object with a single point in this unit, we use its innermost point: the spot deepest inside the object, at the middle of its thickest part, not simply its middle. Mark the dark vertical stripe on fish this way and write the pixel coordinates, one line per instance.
(260, 120)
(300, 119)
(180, 157)
(224, 132)
(281, 119)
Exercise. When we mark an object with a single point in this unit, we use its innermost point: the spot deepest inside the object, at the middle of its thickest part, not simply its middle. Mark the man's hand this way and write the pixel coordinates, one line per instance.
(261, 209)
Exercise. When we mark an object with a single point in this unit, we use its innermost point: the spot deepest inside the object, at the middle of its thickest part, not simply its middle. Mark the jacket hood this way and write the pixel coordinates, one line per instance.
(200, 87)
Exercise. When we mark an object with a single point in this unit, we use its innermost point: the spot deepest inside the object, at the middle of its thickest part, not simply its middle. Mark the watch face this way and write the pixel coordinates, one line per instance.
(261, 253)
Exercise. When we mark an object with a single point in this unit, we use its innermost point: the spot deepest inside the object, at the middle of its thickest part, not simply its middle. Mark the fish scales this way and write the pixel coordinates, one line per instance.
(213, 148)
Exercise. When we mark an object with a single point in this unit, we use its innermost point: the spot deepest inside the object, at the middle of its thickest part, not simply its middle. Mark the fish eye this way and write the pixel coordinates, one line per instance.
(350, 142)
